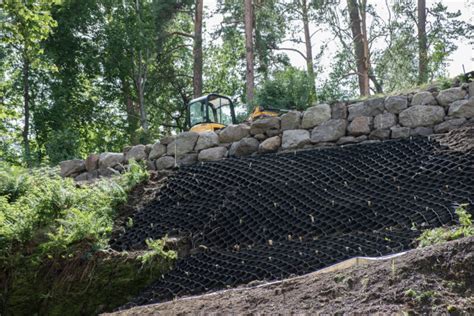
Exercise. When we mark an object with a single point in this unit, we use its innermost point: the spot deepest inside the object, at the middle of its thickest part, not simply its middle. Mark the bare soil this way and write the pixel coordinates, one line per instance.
(433, 280)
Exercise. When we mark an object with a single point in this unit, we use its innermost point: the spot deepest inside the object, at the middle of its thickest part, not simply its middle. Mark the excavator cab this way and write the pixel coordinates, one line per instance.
(209, 113)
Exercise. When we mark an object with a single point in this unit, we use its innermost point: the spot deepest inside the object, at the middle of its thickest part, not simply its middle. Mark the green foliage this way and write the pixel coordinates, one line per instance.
(288, 89)
(54, 214)
(156, 248)
(443, 234)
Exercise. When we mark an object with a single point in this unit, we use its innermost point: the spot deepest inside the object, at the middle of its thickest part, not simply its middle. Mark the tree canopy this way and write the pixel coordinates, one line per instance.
(83, 76)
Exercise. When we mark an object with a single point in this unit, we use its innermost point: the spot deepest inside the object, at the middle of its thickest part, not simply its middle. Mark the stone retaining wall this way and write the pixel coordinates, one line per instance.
(416, 114)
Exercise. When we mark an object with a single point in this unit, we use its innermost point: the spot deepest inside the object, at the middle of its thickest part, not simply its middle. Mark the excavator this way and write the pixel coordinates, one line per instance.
(213, 111)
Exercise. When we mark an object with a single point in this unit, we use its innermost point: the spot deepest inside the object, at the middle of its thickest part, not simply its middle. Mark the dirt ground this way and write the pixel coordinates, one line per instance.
(433, 280)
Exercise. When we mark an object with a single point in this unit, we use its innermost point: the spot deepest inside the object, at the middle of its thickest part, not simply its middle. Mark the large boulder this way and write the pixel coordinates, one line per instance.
(234, 133)
(421, 115)
(165, 162)
(446, 126)
(291, 120)
(72, 167)
(462, 108)
(360, 126)
(212, 154)
(423, 98)
(270, 145)
(396, 104)
(110, 160)
(183, 143)
(329, 131)
(379, 134)
(368, 108)
(262, 125)
(137, 152)
(167, 139)
(421, 131)
(445, 97)
(206, 140)
(316, 115)
(400, 132)
(244, 147)
(351, 140)
(339, 111)
(92, 162)
(295, 138)
(187, 160)
(385, 120)
(157, 150)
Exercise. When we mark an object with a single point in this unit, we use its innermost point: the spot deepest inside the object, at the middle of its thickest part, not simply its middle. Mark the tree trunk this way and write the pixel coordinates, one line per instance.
(359, 50)
(197, 51)
(422, 43)
(309, 48)
(26, 109)
(132, 114)
(249, 56)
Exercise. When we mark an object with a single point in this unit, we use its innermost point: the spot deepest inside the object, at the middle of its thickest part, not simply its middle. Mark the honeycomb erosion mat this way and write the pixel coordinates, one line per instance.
(279, 215)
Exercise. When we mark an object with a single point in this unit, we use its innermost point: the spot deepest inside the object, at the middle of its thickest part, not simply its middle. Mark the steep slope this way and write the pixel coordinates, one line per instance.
(433, 280)
(279, 215)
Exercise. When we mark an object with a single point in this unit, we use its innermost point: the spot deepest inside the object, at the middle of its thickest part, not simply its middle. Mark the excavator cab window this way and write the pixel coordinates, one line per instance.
(212, 108)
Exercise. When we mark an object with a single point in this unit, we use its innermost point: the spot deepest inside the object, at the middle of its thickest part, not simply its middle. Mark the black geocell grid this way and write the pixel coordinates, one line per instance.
(278, 215)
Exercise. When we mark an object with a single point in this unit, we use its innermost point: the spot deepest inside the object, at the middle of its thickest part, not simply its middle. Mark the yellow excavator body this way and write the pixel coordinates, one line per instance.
(206, 127)
(213, 112)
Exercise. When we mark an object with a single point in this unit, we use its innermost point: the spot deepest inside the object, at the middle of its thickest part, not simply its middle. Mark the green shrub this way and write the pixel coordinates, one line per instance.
(156, 248)
(52, 213)
(443, 234)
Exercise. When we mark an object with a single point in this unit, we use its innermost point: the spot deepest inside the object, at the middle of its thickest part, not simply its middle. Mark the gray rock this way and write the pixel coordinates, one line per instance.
(110, 160)
(421, 131)
(184, 143)
(446, 126)
(137, 152)
(360, 125)
(261, 137)
(423, 98)
(206, 140)
(212, 154)
(385, 120)
(167, 139)
(421, 115)
(187, 160)
(148, 148)
(471, 89)
(150, 165)
(445, 97)
(339, 111)
(272, 132)
(316, 115)
(92, 162)
(291, 120)
(157, 150)
(329, 131)
(107, 172)
(244, 147)
(380, 134)
(462, 108)
(165, 162)
(351, 140)
(295, 138)
(234, 133)
(396, 104)
(400, 132)
(72, 167)
(367, 108)
(262, 125)
(270, 145)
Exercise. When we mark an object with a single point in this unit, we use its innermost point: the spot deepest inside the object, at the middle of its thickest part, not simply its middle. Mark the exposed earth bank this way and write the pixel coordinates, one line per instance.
(434, 280)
